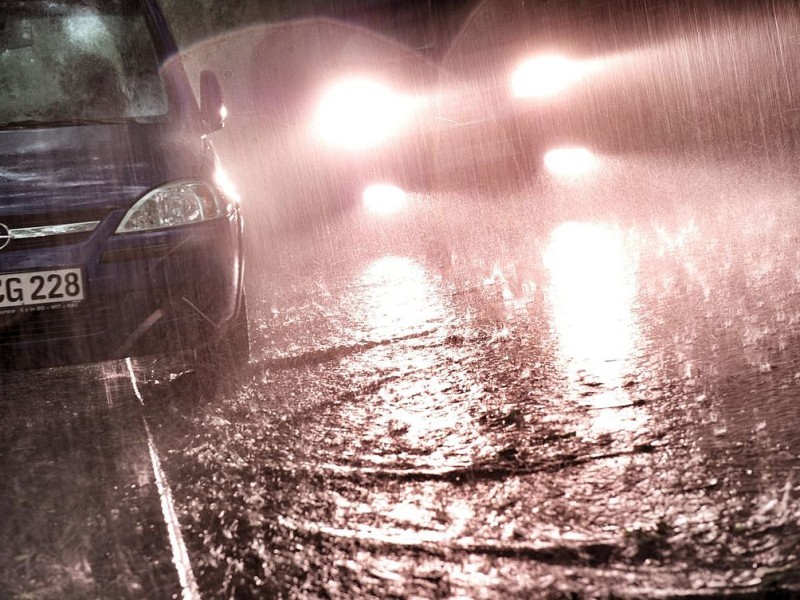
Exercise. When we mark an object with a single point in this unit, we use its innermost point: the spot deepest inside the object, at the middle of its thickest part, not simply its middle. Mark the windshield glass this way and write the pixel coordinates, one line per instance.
(66, 61)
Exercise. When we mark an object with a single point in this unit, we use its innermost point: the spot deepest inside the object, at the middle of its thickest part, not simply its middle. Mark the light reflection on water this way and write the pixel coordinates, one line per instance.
(592, 296)
(423, 418)
(397, 298)
(420, 416)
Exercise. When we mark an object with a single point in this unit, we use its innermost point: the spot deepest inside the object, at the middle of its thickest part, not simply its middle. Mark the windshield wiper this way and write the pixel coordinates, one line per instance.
(42, 124)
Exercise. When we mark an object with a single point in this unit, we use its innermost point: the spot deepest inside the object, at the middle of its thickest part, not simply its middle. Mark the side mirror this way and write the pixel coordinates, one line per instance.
(212, 109)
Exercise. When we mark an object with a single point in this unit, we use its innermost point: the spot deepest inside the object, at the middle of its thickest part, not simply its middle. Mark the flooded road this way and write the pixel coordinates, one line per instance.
(576, 389)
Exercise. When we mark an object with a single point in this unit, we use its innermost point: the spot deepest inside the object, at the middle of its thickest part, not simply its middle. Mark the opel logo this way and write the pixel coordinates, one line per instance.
(5, 236)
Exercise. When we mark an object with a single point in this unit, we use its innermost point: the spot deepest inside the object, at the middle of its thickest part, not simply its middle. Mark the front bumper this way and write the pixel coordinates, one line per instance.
(150, 292)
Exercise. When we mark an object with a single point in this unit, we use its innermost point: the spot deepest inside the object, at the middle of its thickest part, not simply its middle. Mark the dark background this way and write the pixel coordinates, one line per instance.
(424, 25)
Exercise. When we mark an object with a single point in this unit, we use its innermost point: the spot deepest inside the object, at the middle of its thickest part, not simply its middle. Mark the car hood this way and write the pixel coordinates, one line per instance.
(92, 167)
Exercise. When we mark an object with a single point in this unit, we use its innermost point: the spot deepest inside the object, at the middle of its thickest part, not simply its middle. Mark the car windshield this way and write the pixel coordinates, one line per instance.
(68, 60)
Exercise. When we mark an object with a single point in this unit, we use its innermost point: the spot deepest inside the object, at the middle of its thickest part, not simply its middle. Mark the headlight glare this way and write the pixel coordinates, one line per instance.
(546, 76)
(357, 114)
(171, 205)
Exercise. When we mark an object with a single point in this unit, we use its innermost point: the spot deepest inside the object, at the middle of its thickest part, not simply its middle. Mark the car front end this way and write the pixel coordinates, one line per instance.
(119, 233)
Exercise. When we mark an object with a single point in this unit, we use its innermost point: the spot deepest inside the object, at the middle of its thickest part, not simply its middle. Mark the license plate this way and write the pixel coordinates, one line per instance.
(41, 287)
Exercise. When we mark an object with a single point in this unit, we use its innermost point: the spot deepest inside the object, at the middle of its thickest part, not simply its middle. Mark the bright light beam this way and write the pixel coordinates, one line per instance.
(546, 76)
(384, 199)
(358, 114)
(570, 162)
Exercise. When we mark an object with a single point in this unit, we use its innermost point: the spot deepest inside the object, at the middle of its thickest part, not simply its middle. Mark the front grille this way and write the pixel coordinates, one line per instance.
(50, 230)
(50, 241)
(54, 217)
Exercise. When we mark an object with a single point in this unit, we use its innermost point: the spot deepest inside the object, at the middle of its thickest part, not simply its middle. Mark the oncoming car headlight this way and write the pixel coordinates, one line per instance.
(547, 76)
(359, 113)
(173, 204)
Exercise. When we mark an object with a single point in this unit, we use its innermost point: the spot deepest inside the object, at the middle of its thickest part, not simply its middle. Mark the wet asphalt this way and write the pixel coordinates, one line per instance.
(569, 388)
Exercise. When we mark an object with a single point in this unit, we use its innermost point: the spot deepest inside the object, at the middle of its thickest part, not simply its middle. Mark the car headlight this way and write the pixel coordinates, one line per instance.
(546, 76)
(570, 162)
(173, 204)
(359, 113)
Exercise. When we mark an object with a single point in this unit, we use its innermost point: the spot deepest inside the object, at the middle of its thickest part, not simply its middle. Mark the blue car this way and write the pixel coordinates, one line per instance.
(119, 234)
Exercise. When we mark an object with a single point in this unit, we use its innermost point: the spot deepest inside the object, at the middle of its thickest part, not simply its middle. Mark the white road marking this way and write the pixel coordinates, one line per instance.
(180, 556)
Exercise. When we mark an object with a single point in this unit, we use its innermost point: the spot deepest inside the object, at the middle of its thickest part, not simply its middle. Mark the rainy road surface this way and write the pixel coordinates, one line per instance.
(582, 388)
(81, 508)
